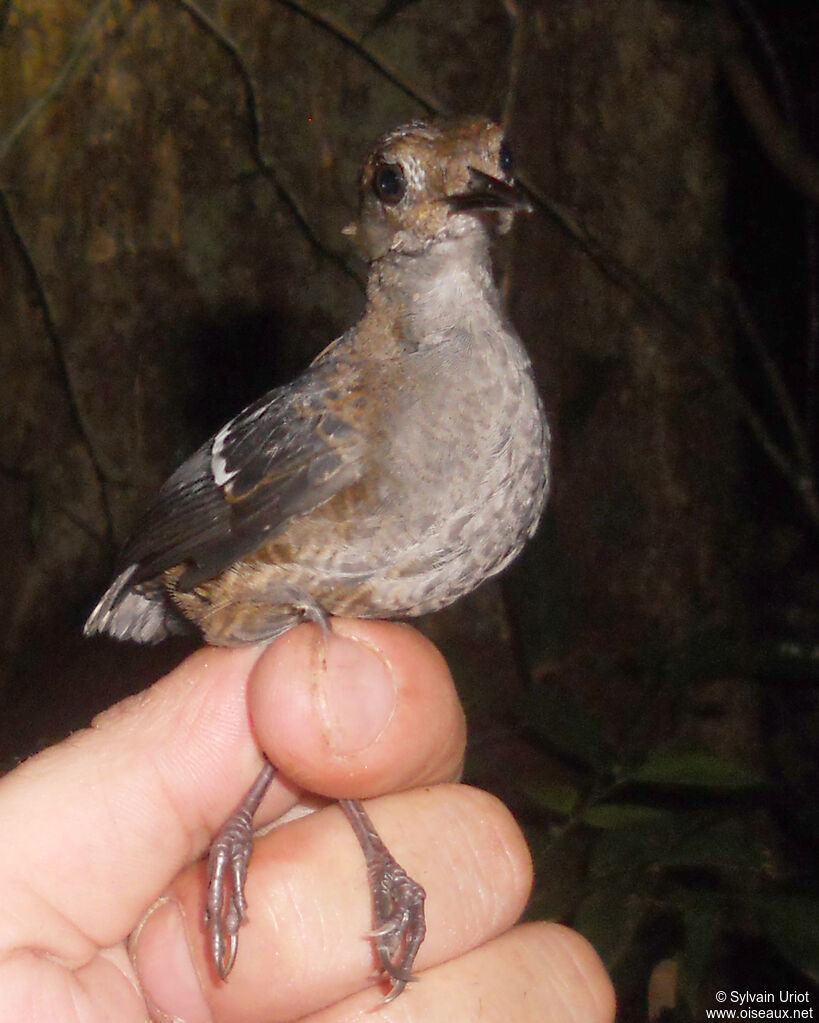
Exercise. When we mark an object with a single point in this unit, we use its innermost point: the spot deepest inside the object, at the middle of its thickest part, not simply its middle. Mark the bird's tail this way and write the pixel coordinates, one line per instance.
(125, 612)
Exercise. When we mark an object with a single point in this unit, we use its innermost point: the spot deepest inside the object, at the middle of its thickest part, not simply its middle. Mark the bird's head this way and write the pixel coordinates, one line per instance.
(429, 181)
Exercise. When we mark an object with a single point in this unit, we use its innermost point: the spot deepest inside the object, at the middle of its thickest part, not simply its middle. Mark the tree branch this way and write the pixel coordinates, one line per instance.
(773, 376)
(63, 369)
(776, 137)
(347, 37)
(69, 66)
(518, 22)
(265, 166)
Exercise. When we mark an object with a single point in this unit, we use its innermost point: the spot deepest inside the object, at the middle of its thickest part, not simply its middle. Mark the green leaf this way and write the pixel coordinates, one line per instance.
(726, 845)
(696, 769)
(672, 840)
(565, 726)
(607, 816)
(622, 852)
(557, 799)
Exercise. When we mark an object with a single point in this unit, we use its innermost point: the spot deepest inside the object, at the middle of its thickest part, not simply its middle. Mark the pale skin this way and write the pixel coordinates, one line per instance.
(100, 827)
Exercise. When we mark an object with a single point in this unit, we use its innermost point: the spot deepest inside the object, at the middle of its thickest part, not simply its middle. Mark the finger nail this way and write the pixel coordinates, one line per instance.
(356, 692)
(162, 960)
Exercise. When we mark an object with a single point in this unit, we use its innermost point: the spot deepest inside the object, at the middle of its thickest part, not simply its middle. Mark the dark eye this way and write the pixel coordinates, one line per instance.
(505, 158)
(389, 183)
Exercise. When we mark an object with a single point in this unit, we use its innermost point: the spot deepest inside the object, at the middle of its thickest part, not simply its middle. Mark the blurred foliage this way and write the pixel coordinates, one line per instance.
(677, 853)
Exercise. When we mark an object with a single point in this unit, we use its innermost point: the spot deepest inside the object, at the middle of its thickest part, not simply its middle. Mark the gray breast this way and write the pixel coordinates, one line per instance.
(467, 481)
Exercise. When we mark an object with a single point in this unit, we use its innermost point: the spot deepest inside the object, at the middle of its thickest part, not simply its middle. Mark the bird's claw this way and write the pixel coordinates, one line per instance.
(398, 902)
(226, 907)
(400, 925)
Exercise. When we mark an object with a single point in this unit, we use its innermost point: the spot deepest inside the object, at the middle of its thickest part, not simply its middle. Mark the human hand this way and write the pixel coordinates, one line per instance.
(97, 828)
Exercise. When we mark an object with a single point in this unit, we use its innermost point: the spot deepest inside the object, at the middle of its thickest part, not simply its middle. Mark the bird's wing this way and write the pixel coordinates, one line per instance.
(287, 453)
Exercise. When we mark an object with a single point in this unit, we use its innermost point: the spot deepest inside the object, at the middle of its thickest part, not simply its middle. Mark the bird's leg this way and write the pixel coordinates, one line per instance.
(226, 907)
(398, 902)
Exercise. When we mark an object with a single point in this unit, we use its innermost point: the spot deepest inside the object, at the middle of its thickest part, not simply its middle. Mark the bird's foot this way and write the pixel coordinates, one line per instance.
(400, 924)
(398, 903)
(226, 906)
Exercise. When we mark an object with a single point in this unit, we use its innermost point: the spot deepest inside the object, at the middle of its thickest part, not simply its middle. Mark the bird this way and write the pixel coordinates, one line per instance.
(406, 465)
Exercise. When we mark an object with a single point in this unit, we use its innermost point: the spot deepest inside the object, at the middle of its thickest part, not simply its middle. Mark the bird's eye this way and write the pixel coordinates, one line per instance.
(505, 158)
(389, 183)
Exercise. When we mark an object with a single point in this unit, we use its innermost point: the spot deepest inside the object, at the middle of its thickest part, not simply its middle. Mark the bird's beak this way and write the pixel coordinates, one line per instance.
(487, 193)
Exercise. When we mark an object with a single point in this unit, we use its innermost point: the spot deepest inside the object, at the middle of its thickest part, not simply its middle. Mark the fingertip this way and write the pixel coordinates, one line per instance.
(371, 706)
(576, 971)
(325, 689)
(506, 845)
(165, 967)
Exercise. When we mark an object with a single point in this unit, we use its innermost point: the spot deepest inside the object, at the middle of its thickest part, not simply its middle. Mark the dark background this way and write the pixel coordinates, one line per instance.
(641, 686)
